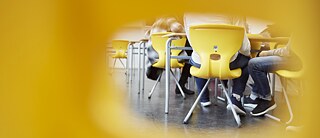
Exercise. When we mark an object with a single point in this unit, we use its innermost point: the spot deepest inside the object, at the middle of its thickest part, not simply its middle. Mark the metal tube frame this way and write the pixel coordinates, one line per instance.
(284, 87)
(167, 70)
(235, 115)
(186, 119)
(154, 86)
(175, 79)
(143, 65)
(139, 66)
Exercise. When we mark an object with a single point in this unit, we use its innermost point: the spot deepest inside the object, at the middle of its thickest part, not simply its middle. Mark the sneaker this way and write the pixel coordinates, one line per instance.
(236, 103)
(248, 102)
(185, 90)
(263, 107)
(205, 104)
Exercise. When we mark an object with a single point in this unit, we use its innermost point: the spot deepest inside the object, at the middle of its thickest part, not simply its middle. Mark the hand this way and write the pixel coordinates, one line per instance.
(263, 53)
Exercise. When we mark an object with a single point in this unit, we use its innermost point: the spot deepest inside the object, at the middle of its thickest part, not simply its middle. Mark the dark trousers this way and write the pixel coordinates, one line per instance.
(186, 68)
(239, 84)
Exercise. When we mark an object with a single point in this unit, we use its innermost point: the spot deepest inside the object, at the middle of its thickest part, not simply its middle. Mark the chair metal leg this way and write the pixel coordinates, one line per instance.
(220, 97)
(122, 63)
(287, 101)
(284, 87)
(216, 91)
(188, 83)
(143, 65)
(186, 119)
(175, 79)
(154, 86)
(139, 66)
(235, 115)
(167, 68)
(131, 62)
(273, 117)
(273, 84)
(127, 71)
(114, 64)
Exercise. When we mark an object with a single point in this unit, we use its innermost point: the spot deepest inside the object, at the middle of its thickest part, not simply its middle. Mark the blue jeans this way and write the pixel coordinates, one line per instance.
(239, 84)
(260, 66)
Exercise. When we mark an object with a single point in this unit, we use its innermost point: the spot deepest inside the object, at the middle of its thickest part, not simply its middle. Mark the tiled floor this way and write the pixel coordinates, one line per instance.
(209, 121)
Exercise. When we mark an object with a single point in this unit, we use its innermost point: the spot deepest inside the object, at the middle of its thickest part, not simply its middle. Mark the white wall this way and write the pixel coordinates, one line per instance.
(257, 25)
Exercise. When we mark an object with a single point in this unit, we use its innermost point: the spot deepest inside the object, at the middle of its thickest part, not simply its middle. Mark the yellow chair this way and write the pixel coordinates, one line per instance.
(120, 46)
(215, 44)
(287, 74)
(159, 45)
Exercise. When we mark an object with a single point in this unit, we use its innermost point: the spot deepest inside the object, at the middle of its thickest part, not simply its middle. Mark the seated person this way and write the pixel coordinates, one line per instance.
(239, 60)
(266, 62)
(169, 24)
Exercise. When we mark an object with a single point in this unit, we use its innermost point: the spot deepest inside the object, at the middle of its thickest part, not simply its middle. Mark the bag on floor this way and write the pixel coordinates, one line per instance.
(153, 73)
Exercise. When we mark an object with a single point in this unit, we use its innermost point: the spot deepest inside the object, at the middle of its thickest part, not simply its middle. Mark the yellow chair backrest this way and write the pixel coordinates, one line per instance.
(159, 44)
(216, 44)
(121, 47)
(255, 45)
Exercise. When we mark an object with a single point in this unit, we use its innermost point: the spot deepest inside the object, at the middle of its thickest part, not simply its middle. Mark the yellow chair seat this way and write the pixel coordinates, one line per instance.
(119, 54)
(174, 64)
(290, 74)
(194, 71)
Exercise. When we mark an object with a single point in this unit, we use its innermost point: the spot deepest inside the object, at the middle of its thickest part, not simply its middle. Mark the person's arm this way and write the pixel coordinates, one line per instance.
(282, 52)
(275, 52)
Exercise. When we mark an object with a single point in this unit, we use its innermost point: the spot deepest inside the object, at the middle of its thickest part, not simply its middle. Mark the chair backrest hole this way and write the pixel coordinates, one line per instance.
(215, 57)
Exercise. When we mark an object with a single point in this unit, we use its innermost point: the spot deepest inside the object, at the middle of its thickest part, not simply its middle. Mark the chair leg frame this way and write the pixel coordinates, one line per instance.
(287, 101)
(154, 86)
(143, 65)
(131, 62)
(124, 66)
(158, 80)
(175, 79)
(114, 64)
(235, 115)
(284, 87)
(186, 119)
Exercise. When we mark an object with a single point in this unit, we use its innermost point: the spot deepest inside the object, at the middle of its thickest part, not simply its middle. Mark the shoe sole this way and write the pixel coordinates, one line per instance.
(206, 105)
(250, 105)
(265, 111)
(237, 109)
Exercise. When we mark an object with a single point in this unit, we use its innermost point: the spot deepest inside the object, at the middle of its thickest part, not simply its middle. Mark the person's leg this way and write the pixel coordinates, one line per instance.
(185, 74)
(251, 100)
(258, 69)
(205, 98)
(239, 84)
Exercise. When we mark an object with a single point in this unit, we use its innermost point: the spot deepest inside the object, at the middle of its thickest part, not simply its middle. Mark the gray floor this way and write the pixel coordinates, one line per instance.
(204, 121)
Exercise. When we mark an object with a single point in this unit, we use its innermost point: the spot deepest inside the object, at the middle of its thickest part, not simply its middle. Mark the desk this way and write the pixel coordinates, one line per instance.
(281, 40)
(131, 43)
(172, 36)
(142, 41)
(256, 40)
